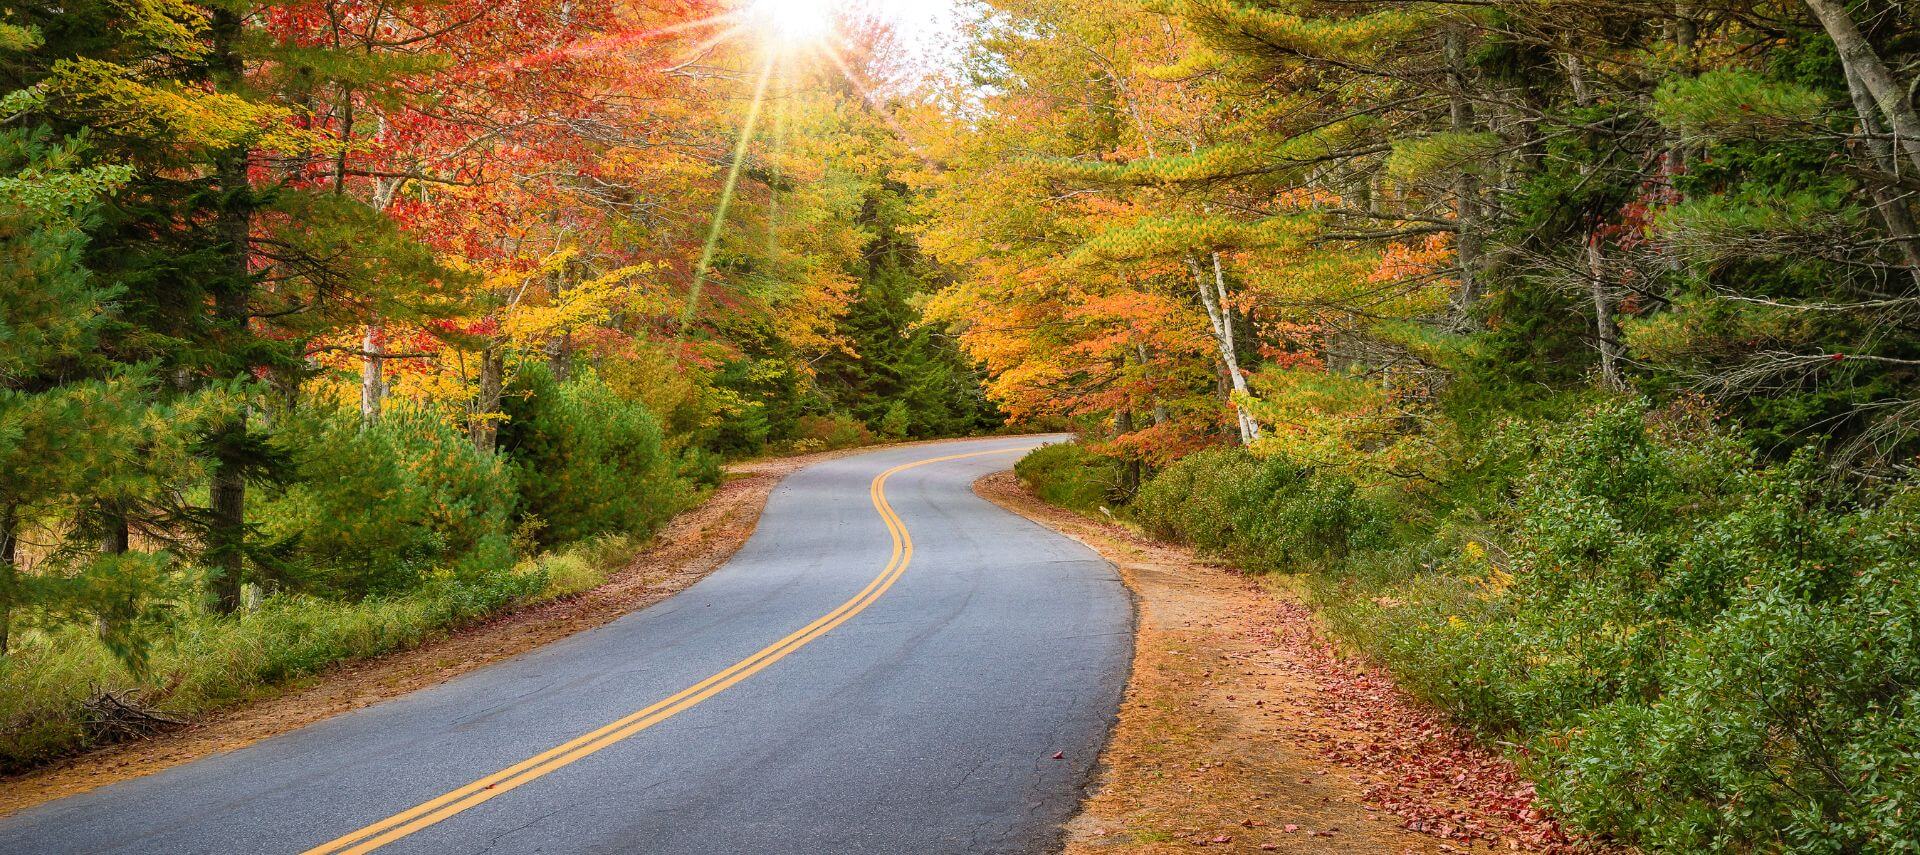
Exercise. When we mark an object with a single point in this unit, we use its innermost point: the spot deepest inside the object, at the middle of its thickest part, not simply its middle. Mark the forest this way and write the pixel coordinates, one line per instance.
(1570, 352)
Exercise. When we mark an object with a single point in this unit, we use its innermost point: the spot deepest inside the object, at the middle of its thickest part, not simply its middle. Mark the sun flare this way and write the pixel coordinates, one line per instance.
(794, 23)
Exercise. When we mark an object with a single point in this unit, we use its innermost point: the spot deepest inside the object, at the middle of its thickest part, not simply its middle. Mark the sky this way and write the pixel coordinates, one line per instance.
(928, 29)
(924, 25)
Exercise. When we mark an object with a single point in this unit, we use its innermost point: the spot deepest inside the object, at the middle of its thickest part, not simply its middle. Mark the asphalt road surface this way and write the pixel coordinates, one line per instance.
(889, 665)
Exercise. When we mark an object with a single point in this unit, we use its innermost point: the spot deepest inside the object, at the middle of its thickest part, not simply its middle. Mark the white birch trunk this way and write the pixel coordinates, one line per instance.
(1213, 296)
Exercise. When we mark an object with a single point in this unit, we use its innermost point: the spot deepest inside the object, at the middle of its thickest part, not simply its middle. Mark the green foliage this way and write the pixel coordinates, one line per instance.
(1701, 653)
(207, 660)
(584, 565)
(1069, 475)
(1269, 514)
(1174, 237)
(701, 467)
(1448, 154)
(1731, 102)
(831, 431)
(904, 377)
(1201, 499)
(587, 461)
(895, 424)
(374, 509)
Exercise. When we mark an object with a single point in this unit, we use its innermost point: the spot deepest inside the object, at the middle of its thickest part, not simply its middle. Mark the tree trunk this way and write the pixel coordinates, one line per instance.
(1858, 58)
(1606, 332)
(1888, 204)
(346, 141)
(1146, 367)
(227, 490)
(1213, 296)
(1130, 470)
(9, 572)
(373, 380)
(1576, 79)
(560, 356)
(486, 416)
(1465, 188)
(1604, 329)
(115, 531)
(227, 531)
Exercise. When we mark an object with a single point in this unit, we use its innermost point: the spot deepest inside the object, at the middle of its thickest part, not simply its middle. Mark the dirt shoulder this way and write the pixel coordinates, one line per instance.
(694, 544)
(1242, 730)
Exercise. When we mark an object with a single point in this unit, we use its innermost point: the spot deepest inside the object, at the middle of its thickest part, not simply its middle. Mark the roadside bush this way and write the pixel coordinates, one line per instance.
(897, 421)
(1269, 514)
(582, 566)
(205, 661)
(587, 461)
(208, 660)
(1069, 475)
(701, 467)
(1198, 499)
(1778, 704)
(1703, 655)
(373, 509)
(832, 431)
(1699, 653)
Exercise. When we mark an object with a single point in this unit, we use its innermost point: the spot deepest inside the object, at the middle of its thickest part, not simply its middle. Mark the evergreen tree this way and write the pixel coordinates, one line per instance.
(905, 377)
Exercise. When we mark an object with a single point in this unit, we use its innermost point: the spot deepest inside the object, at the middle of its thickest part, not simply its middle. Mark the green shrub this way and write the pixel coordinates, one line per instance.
(584, 565)
(701, 467)
(374, 509)
(587, 461)
(1768, 692)
(1068, 475)
(1702, 654)
(204, 661)
(832, 431)
(897, 421)
(1269, 514)
(1198, 498)
(209, 660)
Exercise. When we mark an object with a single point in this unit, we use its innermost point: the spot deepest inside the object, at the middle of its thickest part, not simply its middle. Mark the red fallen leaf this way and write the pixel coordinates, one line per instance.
(1059, 755)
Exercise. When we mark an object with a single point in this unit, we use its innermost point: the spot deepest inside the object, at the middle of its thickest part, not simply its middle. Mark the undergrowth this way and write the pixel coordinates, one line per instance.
(1696, 651)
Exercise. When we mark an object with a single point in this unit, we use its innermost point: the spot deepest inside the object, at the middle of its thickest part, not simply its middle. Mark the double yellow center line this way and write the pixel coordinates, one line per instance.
(546, 762)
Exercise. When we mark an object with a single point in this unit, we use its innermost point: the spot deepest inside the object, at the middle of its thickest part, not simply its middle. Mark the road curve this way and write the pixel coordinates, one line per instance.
(889, 665)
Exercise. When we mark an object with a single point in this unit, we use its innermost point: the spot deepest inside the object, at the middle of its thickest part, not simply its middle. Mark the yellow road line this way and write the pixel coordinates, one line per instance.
(441, 807)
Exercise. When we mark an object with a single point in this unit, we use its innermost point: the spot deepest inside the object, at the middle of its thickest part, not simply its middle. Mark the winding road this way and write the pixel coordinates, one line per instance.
(889, 665)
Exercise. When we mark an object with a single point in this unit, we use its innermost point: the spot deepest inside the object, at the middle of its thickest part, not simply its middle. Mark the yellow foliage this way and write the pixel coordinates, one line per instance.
(103, 93)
